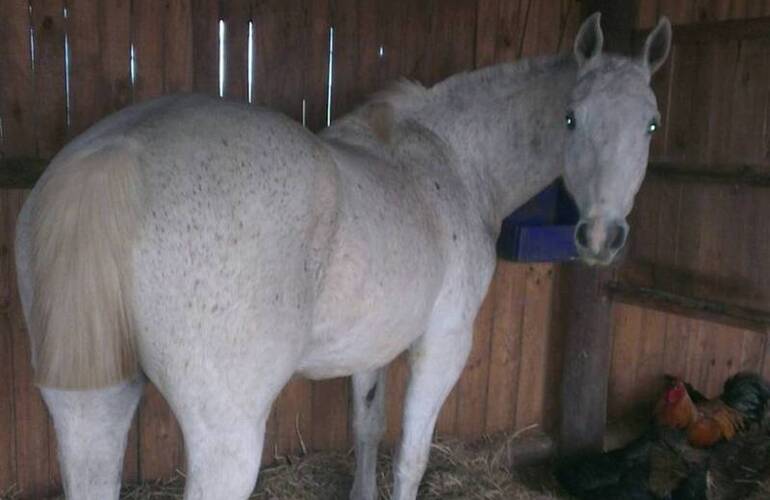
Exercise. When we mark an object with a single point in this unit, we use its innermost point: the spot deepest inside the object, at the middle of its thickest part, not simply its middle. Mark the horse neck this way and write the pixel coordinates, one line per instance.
(505, 126)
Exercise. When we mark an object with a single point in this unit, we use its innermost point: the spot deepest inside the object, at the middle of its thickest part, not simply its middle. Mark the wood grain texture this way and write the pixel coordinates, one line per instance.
(51, 107)
(147, 24)
(178, 47)
(17, 98)
(236, 14)
(206, 46)
(115, 34)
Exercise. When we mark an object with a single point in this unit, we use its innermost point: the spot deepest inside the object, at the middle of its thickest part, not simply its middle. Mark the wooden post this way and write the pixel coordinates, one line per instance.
(587, 307)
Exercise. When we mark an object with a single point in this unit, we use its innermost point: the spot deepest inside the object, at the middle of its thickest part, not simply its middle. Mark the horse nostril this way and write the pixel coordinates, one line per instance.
(581, 235)
(618, 237)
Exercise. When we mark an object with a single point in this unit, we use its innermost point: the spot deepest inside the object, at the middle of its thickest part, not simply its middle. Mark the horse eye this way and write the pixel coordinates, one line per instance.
(570, 120)
(652, 127)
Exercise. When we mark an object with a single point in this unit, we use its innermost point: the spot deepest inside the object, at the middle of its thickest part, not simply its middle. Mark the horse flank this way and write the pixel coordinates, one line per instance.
(83, 226)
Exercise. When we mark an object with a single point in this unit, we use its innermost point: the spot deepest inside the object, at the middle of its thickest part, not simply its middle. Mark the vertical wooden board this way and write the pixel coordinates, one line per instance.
(680, 107)
(530, 35)
(395, 387)
(330, 414)
(675, 350)
(206, 46)
(33, 467)
(160, 440)
(647, 14)
(358, 65)
(649, 369)
(450, 43)
(294, 417)
(720, 109)
(88, 96)
(115, 29)
(316, 64)
(749, 100)
(738, 8)
(752, 350)
(549, 26)
(147, 25)
(486, 32)
(725, 357)
(536, 331)
(280, 34)
(7, 424)
(51, 98)
(505, 347)
(235, 14)
(178, 46)
(626, 334)
(17, 101)
(472, 386)
(512, 24)
(570, 25)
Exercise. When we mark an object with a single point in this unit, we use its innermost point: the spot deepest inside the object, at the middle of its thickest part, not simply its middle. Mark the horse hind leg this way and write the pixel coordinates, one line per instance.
(91, 432)
(368, 426)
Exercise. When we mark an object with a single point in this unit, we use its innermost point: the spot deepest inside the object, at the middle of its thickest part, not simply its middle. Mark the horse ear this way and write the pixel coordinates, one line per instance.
(657, 45)
(589, 40)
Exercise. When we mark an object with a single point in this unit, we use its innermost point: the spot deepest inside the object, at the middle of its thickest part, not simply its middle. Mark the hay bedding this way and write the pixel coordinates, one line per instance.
(456, 471)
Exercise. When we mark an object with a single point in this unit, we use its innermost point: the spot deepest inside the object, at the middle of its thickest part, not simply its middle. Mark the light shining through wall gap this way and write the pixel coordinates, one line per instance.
(331, 78)
(250, 75)
(221, 58)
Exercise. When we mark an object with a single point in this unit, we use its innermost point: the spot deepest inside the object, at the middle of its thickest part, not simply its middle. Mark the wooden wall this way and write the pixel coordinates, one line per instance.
(693, 235)
(512, 376)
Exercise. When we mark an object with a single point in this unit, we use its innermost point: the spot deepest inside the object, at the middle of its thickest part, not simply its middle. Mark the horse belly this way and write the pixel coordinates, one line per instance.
(375, 303)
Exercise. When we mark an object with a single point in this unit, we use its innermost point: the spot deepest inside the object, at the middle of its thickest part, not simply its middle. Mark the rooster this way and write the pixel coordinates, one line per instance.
(688, 452)
(707, 422)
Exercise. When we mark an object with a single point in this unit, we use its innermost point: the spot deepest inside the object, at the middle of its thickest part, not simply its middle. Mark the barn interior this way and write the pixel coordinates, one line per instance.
(564, 355)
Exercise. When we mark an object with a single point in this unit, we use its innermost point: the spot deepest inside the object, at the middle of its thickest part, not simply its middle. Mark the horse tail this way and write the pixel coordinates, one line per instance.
(83, 224)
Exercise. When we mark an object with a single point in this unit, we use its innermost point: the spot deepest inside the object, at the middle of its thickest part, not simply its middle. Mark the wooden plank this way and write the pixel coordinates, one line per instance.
(395, 387)
(358, 66)
(316, 65)
(7, 402)
(472, 387)
(148, 25)
(720, 31)
(115, 38)
(586, 359)
(88, 95)
(206, 46)
(293, 417)
(330, 414)
(696, 308)
(648, 379)
(20, 172)
(280, 34)
(51, 98)
(178, 46)
(505, 348)
(626, 336)
(33, 465)
(486, 32)
(17, 102)
(535, 333)
(160, 439)
(713, 173)
(235, 14)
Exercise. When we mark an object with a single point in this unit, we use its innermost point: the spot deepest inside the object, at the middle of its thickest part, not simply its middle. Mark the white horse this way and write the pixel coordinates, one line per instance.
(218, 250)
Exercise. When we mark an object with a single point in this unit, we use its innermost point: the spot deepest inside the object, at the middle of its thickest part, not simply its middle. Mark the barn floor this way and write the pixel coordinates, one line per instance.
(456, 471)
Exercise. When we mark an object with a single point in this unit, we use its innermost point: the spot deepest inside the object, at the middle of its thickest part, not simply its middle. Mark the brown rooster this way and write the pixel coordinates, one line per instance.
(707, 422)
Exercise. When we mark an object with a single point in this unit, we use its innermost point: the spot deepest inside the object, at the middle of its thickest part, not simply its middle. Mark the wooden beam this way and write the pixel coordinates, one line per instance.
(746, 175)
(691, 307)
(587, 349)
(20, 172)
(722, 31)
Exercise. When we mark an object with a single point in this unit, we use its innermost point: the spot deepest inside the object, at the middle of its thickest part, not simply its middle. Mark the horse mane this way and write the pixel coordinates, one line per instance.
(404, 98)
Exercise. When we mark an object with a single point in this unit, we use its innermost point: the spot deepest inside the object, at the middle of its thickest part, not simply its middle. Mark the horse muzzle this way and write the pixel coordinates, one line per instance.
(599, 240)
